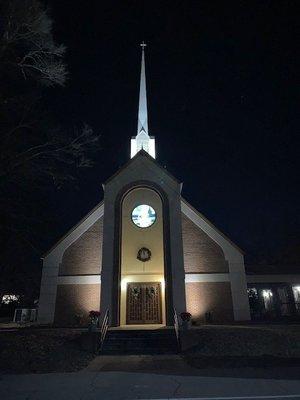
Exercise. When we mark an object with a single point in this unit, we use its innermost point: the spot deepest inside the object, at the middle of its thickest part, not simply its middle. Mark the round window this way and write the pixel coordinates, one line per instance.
(143, 216)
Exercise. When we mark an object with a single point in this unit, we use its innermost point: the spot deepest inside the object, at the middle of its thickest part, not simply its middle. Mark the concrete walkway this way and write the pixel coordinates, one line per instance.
(142, 377)
(176, 365)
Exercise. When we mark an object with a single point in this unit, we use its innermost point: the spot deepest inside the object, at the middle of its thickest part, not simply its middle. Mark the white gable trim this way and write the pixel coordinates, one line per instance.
(51, 263)
(232, 254)
(207, 227)
(54, 257)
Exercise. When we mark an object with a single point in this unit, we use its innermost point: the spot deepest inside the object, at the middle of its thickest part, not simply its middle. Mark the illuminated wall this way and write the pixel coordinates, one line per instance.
(73, 301)
(134, 238)
(213, 297)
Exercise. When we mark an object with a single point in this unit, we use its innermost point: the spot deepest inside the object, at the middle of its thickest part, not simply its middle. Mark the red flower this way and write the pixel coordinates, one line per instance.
(185, 316)
(94, 314)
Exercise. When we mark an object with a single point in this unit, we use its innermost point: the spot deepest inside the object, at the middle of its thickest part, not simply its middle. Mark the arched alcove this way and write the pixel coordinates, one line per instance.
(142, 297)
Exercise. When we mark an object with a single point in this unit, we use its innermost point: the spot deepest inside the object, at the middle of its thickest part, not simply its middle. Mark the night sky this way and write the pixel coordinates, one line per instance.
(223, 105)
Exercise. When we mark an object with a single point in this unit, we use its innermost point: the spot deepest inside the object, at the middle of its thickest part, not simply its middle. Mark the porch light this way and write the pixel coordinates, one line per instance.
(297, 289)
(267, 294)
(9, 298)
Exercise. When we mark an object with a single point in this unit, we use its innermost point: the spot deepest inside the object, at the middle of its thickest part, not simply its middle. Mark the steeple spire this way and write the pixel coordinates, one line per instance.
(143, 114)
(142, 140)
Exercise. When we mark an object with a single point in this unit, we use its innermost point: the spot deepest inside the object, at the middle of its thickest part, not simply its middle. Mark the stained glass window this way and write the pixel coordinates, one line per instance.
(143, 216)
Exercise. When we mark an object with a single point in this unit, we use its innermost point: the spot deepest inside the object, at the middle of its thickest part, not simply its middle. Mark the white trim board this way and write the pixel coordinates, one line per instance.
(54, 256)
(233, 255)
(206, 226)
(189, 278)
(79, 280)
(92, 279)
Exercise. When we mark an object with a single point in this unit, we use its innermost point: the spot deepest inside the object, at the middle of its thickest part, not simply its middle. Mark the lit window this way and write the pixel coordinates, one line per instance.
(9, 298)
(267, 294)
(143, 216)
(252, 292)
(296, 291)
(268, 299)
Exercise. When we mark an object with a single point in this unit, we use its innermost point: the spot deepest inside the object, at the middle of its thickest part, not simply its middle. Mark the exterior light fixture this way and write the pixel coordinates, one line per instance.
(267, 293)
(9, 298)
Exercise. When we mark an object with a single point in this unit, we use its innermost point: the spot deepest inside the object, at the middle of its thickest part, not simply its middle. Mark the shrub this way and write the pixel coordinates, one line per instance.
(94, 314)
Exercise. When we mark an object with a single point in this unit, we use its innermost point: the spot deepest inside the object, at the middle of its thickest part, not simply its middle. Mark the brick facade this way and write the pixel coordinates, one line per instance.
(201, 253)
(202, 297)
(84, 256)
(72, 300)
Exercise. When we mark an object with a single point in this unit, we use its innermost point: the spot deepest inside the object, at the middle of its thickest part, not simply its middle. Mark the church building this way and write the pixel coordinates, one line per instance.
(143, 252)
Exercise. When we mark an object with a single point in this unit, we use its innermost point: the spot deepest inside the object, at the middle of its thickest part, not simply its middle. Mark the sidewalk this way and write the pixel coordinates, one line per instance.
(122, 385)
(146, 377)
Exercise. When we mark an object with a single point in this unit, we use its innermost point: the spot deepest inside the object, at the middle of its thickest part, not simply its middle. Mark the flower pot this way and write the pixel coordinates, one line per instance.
(93, 324)
(186, 325)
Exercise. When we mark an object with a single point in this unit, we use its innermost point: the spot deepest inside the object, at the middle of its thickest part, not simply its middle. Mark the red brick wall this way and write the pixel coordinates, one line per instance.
(201, 253)
(202, 297)
(75, 299)
(84, 256)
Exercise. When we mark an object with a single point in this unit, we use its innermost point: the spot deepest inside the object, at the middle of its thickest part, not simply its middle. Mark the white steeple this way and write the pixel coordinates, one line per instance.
(142, 140)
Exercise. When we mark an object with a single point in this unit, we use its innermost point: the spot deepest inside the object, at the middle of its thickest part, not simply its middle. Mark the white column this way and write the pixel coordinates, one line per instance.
(48, 291)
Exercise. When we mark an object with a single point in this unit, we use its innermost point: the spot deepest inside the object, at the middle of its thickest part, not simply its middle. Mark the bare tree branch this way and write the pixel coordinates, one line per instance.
(28, 27)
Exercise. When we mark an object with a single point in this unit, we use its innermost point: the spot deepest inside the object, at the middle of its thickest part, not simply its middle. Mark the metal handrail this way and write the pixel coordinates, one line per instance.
(104, 328)
(176, 326)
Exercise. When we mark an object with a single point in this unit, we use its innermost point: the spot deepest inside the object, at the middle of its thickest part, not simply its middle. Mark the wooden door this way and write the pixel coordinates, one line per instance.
(144, 303)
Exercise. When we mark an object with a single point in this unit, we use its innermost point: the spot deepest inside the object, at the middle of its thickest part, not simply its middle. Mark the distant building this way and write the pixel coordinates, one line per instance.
(144, 251)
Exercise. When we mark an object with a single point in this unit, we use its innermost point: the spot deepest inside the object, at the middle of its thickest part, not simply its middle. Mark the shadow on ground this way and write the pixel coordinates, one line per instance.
(264, 368)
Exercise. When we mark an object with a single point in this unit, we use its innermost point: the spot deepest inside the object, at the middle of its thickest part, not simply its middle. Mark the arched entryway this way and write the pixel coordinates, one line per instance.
(142, 299)
(142, 273)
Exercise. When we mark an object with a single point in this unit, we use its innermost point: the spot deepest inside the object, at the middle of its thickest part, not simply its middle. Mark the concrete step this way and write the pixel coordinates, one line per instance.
(158, 341)
(140, 333)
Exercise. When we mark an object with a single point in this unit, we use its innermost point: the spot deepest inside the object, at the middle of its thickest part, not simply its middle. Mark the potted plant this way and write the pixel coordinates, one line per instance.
(94, 319)
(186, 319)
(78, 319)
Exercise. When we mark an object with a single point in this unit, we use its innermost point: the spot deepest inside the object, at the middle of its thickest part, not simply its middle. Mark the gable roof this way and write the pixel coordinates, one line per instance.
(70, 231)
(141, 153)
(97, 212)
(210, 224)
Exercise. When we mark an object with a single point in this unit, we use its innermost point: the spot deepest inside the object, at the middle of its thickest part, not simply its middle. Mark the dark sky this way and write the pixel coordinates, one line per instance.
(223, 104)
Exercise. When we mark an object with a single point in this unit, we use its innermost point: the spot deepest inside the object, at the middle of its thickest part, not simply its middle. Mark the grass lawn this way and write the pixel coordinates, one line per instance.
(238, 346)
(243, 340)
(271, 347)
(40, 351)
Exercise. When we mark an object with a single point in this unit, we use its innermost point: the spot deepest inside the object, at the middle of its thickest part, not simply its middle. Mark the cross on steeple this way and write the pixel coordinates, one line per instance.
(143, 45)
